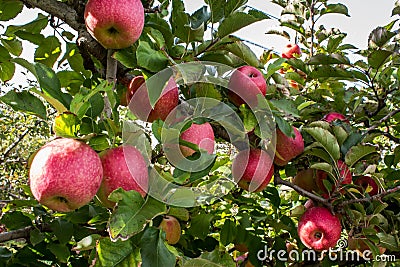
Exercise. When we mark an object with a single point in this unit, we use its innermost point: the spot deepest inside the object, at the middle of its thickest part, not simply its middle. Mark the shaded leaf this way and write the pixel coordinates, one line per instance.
(235, 22)
(358, 152)
(9, 9)
(153, 250)
(335, 8)
(26, 102)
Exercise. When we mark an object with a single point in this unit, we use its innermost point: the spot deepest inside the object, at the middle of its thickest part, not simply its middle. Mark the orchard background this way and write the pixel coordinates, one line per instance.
(69, 69)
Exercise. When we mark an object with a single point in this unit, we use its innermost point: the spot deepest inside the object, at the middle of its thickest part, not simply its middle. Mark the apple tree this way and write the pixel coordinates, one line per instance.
(205, 154)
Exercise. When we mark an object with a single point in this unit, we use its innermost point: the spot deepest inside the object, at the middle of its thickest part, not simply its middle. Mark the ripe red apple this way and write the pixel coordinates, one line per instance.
(291, 50)
(252, 169)
(124, 167)
(245, 84)
(287, 148)
(114, 24)
(65, 174)
(319, 229)
(139, 102)
(306, 179)
(172, 229)
(332, 116)
(365, 181)
(199, 134)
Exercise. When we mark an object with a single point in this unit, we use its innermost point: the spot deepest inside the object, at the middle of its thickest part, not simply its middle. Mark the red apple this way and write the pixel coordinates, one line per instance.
(124, 167)
(114, 24)
(306, 179)
(199, 134)
(65, 174)
(252, 169)
(172, 229)
(291, 50)
(332, 116)
(365, 181)
(139, 102)
(319, 229)
(287, 148)
(245, 84)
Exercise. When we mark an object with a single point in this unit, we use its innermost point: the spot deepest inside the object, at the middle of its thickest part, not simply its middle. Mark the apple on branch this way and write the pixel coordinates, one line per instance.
(319, 229)
(199, 134)
(252, 169)
(124, 167)
(245, 84)
(170, 225)
(364, 182)
(291, 50)
(306, 179)
(332, 116)
(139, 103)
(287, 147)
(114, 24)
(65, 174)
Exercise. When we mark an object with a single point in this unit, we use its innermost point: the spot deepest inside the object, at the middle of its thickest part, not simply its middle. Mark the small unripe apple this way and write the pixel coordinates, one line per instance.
(172, 229)
(332, 116)
(306, 179)
(252, 169)
(140, 104)
(114, 24)
(245, 84)
(65, 174)
(365, 181)
(319, 229)
(199, 134)
(287, 148)
(124, 167)
(291, 50)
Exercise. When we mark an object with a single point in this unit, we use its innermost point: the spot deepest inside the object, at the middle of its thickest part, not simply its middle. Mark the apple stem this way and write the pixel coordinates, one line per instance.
(111, 76)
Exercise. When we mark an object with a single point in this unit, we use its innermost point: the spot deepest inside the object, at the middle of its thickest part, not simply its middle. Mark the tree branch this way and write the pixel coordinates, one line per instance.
(278, 180)
(368, 199)
(388, 116)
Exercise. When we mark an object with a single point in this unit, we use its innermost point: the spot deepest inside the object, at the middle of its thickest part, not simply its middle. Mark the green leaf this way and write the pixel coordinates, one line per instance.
(63, 230)
(48, 51)
(199, 17)
(323, 59)
(378, 57)
(201, 263)
(66, 125)
(126, 57)
(155, 21)
(26, 102)
(99, 143)
(181, 25)
(284, 126)
(9, 9)
(31, 29)
(154, 251)
(352, 140)
(326, 71)
(60, 251)
(358, 152)
(149, 58)
(207, 90)
(249, 119)
(228, 232)
(379, 37)
(322, 166)
(232, 5)
(131, 213)
(326, 140)
(388, 241)
(235, 22)
(13, 46)
(335, 8)
(15, 220)
(50, 84)
(241, 50)
(35, 237)
(112, 254)
(200, 225)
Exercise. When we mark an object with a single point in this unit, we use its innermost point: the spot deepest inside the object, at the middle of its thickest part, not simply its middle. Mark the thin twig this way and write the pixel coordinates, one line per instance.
(388, 116)
(368, 199)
